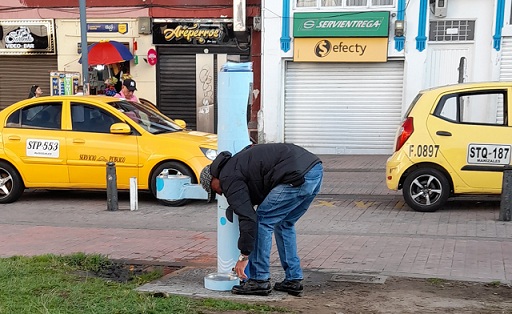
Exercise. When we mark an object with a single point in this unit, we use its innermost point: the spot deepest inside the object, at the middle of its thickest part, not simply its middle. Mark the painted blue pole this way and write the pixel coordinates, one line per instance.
(500, 12)
(422, 25)
(233, 92)
(285, 27)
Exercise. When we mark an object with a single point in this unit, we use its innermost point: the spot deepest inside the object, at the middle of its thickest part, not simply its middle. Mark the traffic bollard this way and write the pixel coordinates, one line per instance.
(134, 197)
(112, 203)
(506, 194)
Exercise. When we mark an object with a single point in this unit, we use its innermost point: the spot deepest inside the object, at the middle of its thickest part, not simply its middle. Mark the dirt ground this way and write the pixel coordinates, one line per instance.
(402, 295)
(323, 295)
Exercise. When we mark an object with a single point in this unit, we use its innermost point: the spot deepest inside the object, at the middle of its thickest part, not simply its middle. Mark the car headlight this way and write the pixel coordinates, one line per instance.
(209, 153)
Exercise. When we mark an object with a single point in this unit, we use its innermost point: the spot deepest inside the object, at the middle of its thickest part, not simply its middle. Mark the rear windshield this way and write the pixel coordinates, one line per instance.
(413, 103)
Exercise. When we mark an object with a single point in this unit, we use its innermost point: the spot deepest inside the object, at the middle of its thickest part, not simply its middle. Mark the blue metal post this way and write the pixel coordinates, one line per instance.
(85, 55)
(233, 92)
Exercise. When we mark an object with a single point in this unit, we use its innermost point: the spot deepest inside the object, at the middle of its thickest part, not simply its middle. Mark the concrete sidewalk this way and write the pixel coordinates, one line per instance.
(356, 226)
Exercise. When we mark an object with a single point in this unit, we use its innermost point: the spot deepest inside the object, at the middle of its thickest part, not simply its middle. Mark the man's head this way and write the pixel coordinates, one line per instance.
(209, 183)
(129, 86)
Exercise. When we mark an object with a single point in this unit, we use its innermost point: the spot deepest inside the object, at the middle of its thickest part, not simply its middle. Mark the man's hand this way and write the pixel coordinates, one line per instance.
(240, 269)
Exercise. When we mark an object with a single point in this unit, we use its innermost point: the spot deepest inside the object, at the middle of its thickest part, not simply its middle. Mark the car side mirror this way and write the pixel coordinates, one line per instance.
(120, 128)
(181, 123)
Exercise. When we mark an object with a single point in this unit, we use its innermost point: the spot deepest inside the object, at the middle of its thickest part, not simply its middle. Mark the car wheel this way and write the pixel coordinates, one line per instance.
(174, 168)
(11, 185)
(426, 189)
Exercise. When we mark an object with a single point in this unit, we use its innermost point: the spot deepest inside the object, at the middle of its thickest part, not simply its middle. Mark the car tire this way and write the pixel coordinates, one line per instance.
(174, 168)
(11, 184)
(426, 189)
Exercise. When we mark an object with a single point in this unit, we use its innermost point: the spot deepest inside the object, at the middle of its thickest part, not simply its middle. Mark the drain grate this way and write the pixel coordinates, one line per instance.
(363, 278)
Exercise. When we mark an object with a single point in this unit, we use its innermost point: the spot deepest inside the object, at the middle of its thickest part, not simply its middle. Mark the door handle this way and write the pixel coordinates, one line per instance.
(443, 133)
(78, 141)
(14, 138)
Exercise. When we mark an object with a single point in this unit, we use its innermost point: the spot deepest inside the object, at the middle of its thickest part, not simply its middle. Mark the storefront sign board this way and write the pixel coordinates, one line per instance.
(121, 28)
(340, 49)
(27, 37)
(193, 32)
(341, 24)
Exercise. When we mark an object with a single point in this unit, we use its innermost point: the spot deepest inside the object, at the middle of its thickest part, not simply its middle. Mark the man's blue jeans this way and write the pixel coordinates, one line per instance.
(278, 213)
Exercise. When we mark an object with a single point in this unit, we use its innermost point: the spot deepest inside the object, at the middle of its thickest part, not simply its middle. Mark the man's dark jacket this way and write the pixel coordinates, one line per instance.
(248, 177)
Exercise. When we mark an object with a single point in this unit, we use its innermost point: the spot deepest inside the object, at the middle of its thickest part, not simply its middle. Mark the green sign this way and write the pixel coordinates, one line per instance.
(341, 24)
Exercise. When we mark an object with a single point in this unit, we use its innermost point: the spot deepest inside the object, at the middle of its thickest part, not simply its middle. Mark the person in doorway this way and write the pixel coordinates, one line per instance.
(35, 91)
(127, 91)
(281, 180)
(79, 90)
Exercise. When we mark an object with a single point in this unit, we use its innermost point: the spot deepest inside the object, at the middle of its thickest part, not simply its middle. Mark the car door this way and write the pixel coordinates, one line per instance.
(34, 141)
(472, 132)
(91, 146)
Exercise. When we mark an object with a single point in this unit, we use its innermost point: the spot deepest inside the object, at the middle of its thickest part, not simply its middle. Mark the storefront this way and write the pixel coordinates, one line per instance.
(342, 94)
(27, 56)
(190, 54)
(132, 34)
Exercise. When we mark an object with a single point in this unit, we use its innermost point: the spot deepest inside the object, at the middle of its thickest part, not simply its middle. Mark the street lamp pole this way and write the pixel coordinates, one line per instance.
(85, 57)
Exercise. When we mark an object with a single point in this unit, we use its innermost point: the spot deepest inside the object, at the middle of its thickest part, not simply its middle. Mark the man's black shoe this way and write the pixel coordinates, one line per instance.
(293, 287)
(254, 287)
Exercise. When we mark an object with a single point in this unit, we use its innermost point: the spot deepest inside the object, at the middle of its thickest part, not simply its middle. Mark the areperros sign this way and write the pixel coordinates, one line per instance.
(341, 24)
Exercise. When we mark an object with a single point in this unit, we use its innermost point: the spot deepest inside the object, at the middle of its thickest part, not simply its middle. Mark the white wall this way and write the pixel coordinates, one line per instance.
(272, 80)
(68, 36)
(485, 58)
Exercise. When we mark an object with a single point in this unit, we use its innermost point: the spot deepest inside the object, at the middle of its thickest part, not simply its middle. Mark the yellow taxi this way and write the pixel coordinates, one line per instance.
(453, 140)
(65, 142)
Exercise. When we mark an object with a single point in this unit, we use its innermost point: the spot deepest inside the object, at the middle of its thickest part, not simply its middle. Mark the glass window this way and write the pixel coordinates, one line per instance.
(452, 30)
(332, 3)
(479, 108)
(306, 3)
(87, 118)
(356, 3)
(41, 116)
(13, 121)
(382, 2)
(344, 3)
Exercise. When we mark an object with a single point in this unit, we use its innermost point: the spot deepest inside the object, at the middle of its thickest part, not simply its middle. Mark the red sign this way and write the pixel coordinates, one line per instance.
(152, 58)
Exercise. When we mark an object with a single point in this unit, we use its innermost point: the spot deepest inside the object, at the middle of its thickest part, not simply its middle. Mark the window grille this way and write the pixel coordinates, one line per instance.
(455, 30)
(344, 3)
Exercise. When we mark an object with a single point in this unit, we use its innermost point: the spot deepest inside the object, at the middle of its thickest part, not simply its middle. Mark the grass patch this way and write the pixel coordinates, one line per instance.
(495, 283)
(436, 281)
(81, 283)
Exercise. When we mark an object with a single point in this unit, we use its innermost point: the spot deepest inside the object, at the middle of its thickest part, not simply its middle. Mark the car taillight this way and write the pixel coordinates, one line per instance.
(405, 132)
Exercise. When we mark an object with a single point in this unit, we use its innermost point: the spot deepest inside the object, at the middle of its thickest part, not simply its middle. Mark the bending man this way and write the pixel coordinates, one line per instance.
(281, 180)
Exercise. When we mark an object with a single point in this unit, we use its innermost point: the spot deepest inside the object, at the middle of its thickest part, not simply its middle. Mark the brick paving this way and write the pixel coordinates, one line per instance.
(354, 225)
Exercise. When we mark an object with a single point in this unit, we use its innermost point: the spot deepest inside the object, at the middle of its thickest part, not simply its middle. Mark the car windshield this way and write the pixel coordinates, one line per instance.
(147, 117)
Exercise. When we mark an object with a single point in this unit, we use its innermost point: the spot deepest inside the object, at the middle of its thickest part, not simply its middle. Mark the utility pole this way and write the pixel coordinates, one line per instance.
(85, 57)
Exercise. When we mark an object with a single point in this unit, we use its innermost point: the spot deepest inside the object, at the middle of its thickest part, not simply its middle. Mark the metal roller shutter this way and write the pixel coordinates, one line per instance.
(506, 59)
(19, 73)
(177, 87)
(343, 108)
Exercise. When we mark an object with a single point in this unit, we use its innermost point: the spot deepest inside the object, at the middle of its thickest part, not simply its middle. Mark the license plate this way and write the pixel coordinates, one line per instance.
(489, 154)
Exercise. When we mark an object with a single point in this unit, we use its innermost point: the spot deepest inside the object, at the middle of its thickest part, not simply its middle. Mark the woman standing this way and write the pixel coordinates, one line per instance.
(35, 91)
